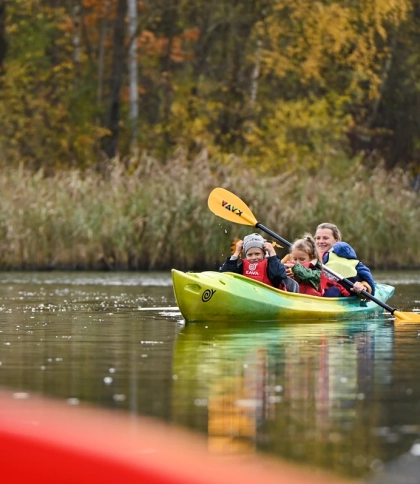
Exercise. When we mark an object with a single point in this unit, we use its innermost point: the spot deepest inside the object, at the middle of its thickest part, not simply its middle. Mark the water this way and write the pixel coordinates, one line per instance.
(339, 396)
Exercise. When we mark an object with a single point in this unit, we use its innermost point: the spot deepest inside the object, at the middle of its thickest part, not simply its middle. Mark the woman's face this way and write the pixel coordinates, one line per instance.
(324, 239)
(255, 254)
(298, 255)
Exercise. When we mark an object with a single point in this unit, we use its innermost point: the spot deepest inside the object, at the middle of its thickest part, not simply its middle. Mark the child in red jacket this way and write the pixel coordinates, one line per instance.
(304, 265)
(260, 262)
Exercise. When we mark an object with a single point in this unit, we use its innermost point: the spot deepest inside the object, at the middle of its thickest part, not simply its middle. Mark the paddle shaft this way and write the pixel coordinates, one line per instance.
(327, 269)
(273, 234)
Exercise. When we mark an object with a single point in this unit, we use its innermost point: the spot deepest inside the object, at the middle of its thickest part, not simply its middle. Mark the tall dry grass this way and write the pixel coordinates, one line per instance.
(152, 216)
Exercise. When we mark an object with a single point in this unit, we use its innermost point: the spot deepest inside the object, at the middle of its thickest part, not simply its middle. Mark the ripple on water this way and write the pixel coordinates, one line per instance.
(89, 278)
(397, 277)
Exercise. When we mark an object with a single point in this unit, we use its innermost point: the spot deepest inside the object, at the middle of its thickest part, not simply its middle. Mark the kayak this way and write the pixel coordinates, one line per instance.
(216, 296)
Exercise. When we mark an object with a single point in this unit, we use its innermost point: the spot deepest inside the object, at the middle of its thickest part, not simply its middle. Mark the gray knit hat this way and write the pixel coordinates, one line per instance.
(253, 240)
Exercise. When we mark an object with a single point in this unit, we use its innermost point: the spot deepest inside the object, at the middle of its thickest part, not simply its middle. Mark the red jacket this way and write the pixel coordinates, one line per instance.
(314, 282)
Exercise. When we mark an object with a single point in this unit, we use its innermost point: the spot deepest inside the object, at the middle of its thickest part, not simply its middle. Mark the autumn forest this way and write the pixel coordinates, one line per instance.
(131, 111)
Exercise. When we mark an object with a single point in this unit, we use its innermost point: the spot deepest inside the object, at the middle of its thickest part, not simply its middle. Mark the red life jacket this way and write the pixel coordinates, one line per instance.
(256, 270)
(324, 283)
(306, 288)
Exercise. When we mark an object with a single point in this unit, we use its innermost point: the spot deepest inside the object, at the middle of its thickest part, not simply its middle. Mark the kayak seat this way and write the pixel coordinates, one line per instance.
(292, 285)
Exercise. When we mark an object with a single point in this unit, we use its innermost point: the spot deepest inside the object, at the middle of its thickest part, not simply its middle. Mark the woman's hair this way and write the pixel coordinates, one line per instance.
(332, 227)
(307, 244)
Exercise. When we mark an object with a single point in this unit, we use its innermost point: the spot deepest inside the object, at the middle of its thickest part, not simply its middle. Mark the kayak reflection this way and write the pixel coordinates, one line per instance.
(289, 390)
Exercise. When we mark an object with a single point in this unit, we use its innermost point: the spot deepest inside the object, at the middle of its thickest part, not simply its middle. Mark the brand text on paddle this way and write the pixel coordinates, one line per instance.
(231, 208)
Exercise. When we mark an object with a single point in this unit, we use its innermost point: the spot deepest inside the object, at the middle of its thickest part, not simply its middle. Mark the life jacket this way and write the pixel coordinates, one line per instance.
(257, 271)
(344, 267)
(324, 284)
(305, 287)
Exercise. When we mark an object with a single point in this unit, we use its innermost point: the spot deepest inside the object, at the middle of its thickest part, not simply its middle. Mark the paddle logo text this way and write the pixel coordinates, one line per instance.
(231, 208)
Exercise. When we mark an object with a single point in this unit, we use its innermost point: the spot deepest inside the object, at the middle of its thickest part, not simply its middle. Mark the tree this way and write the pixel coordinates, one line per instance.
(133, 72)
(3, 42)
(112, 120)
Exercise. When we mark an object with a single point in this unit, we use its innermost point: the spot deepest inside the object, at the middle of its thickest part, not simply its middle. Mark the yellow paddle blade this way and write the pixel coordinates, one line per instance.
(225, 204)
(406, 317)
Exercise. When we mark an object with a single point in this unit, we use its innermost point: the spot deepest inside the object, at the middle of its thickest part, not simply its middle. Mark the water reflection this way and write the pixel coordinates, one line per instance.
(310, 392)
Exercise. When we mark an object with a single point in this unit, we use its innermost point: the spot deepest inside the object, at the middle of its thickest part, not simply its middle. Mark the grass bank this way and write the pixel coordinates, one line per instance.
(153, 216)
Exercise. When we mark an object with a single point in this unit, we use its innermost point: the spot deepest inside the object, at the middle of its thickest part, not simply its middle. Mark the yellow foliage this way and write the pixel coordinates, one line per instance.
(303, 132)
(314, 36)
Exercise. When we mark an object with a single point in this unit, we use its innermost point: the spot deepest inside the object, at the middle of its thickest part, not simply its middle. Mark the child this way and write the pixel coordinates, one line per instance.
(304, 265)
(341, 258)
(255, 263)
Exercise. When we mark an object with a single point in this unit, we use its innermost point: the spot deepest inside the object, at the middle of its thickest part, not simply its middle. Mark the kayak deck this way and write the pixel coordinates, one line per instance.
(215, 296)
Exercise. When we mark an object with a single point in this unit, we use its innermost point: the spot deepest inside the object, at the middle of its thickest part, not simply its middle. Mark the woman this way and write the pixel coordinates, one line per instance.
(341, 258)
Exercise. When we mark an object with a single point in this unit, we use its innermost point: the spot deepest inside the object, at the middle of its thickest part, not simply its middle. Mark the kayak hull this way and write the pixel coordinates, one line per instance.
(215, 296)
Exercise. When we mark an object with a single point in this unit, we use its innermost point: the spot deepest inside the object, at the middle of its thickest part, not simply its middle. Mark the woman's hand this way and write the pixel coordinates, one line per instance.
(358, 287)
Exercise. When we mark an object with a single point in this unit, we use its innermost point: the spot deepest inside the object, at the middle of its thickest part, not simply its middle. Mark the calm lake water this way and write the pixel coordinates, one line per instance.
(339, 396)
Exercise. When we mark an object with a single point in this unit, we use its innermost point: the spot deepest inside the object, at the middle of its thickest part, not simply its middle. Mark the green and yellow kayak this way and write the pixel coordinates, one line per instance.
(215, 296)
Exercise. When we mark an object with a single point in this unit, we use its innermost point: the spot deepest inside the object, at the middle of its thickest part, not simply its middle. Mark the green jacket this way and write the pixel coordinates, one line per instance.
(308, 275)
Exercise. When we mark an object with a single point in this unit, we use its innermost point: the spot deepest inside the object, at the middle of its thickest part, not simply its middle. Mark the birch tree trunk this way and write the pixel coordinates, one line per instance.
(254, 78)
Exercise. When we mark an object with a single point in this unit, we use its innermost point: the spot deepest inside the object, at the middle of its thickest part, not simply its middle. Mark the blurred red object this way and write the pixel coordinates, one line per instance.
(48, 441)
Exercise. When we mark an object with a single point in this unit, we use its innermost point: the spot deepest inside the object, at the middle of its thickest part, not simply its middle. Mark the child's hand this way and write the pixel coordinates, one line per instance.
(238, 248)
(289, 271)
(268, 246)
(288, 265)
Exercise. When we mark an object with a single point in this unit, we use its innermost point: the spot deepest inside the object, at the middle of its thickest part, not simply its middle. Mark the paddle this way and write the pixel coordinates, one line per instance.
(230, 207)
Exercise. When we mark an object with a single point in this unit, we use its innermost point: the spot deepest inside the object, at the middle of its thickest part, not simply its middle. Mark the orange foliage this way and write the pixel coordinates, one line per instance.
(152, 45)
(125, 92)
(67, 24)
(177, 54)
(98, 9)
(191, 35)
(141, 7)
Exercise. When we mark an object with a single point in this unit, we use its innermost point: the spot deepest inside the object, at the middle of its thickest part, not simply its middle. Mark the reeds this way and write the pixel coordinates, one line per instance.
(152, 216)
